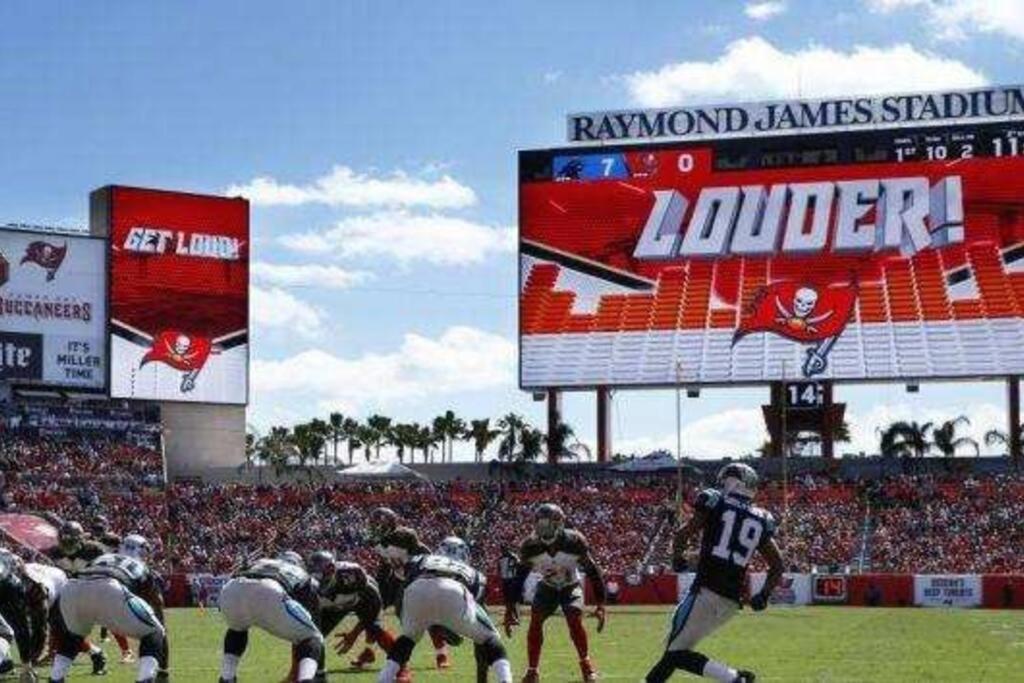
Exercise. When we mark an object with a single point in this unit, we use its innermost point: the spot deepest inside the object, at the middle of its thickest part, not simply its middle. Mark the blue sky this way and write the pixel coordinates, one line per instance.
(377, 140)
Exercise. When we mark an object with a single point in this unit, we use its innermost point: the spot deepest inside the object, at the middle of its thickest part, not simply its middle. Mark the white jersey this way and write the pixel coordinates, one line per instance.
(51, 578)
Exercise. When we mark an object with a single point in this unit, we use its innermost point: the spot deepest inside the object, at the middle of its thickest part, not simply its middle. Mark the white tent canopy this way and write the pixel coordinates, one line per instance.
(380, 470)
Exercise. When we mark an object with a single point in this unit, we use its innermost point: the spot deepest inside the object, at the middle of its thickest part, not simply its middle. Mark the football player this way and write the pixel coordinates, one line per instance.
(441, 592)
(279, 597)
(119, 591)
(23, 608)
(732, 529)
(346, 588)
(396, 545)
(557, 555)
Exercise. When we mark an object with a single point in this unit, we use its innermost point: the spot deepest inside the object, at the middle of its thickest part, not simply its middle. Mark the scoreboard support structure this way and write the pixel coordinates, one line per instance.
(604, 424)
(1013, 426)
(554, 421)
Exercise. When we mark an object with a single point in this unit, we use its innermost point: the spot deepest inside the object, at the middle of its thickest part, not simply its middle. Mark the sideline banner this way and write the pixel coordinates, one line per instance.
(947, 590)
(793, 590)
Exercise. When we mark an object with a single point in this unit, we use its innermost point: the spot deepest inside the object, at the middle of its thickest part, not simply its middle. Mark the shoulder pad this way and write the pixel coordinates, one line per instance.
(769, 521)
(531, 547)
(707, 499)
(575, 541)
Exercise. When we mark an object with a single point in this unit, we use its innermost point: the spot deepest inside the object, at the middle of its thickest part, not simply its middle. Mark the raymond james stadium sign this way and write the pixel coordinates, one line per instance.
(997, 103)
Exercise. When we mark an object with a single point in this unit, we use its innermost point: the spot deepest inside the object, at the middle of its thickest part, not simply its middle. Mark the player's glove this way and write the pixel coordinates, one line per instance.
(599, 614)
(759, 601)
(511, 619)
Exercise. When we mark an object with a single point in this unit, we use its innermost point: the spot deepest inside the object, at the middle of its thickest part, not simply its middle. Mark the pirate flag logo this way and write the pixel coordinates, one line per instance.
(181, 352)
(804, 313)
(46, 256)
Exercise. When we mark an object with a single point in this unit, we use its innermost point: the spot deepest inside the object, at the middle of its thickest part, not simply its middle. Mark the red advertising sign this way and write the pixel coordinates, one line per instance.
(861, 256)
(179, 303)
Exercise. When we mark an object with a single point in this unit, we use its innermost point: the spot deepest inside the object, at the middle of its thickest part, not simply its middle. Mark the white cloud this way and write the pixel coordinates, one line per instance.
(732, 433)
(753, 68)
(864, 425)
(275, 308)
(552, 77)
(764, 10)
(956, 19)
(461, 359)
(307, 275)
(407, 237)
(345, 187)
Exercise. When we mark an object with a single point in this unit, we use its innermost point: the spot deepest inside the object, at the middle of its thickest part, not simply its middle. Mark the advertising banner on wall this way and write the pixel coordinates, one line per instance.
(52, 309)
(947, 590)
(793, 589)
(179, 294)
(871, 255)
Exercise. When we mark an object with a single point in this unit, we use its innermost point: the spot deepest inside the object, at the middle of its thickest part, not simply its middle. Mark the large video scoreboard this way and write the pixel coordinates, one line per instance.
(860, 255)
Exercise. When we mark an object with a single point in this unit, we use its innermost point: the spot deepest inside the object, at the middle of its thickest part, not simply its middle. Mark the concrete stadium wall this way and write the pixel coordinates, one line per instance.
(202, 437)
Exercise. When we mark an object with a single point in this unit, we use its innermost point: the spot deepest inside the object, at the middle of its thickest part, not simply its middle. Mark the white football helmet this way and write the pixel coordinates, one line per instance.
(454, 548)
(738, 479)
(134, 545)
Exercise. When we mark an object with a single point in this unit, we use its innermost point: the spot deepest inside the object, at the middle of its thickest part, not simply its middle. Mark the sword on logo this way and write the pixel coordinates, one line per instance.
(817, 357)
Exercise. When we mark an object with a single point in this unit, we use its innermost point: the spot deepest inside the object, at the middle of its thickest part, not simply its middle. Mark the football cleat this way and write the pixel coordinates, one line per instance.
(99, 663)
(127, 657)
(404, 676)
(443, 660)
(531, 676)
(745, 677)
(587, 670)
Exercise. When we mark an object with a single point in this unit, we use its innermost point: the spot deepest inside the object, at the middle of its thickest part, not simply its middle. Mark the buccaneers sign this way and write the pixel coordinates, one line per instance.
(861, 256)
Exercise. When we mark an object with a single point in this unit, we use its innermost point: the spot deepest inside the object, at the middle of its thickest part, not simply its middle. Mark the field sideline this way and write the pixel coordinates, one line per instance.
(822, 644)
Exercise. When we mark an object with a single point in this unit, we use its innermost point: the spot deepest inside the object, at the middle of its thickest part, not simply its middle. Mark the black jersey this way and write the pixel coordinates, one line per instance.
(733, 530)
(439, 566)
(76, 560)
(132, 573)
(349, 587)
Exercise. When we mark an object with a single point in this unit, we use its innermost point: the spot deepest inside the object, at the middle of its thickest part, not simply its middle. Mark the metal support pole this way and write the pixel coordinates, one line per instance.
(604, 424)
(1013, 431)
(554, 422)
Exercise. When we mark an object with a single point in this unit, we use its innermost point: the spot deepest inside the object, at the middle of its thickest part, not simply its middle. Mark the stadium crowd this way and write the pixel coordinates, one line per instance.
(954, 522)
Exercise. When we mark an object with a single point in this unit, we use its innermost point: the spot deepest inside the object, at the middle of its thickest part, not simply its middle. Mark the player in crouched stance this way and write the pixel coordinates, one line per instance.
(27, 591)
(118, 591)
(440, 591)
(556, 555)
(731, 529)
(279, 597)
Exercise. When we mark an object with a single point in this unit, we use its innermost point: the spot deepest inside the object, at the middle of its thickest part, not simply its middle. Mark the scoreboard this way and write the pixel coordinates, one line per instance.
(859, 255)
(868, 147)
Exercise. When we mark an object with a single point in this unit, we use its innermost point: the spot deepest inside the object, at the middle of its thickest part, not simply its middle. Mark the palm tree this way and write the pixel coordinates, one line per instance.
(368, 438)
(309, 441)
(563, 442)
(532, 442)
(276, 449)
(322, 431)
(426, 440)
(905, 439)
(449, 428)
(379, 428)
(946, 440)
(404, 436)
(351, 430)
(482, 435)
(337, 435)
(512, 426)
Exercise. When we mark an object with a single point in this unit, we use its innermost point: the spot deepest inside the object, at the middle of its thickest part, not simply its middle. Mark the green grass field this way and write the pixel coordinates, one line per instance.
(803, 644)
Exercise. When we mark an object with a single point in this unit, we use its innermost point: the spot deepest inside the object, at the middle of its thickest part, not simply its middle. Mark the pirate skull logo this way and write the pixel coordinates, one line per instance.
(799, 318)
(182, 345)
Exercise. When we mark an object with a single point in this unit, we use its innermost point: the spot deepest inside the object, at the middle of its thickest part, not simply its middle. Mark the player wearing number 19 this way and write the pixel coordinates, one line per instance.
(731, 529)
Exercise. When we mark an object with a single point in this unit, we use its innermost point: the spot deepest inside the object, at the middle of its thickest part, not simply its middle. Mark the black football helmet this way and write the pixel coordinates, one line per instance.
(70, 536)
(382, 522)
(549, 522)
(321, 565)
